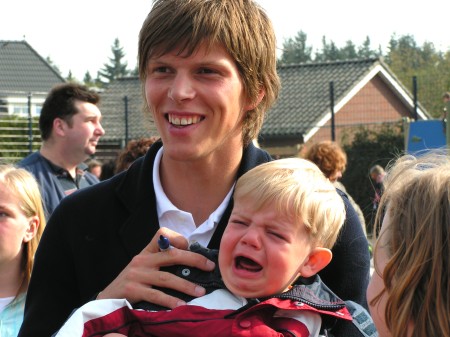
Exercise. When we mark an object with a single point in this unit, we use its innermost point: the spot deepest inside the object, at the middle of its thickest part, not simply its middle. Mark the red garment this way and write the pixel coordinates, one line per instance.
(190, 320)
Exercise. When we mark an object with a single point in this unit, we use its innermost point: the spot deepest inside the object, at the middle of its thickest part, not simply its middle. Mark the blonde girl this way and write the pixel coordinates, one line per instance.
(21, 225)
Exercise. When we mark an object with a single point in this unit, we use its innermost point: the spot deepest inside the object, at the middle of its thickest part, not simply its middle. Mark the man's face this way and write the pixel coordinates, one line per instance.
(261, 251)
(198, 103)
(85, 130)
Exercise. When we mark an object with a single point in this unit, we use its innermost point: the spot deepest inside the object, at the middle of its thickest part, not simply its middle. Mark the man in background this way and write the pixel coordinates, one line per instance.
(70, 130)
(94, 167)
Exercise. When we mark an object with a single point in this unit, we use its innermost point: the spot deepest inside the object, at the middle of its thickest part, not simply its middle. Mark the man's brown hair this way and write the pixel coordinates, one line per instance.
(241, 26)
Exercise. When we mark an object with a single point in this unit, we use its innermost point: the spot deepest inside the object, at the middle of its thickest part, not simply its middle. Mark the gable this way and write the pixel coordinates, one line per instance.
(22, 69)
(304, 104)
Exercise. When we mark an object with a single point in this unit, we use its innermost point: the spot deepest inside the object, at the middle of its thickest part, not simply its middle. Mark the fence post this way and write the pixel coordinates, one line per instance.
(333, 134)
(415, 96)
(126, 119)
(30, 125)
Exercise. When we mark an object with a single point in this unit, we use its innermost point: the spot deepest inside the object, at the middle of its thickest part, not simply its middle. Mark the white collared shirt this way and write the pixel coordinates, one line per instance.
(180, 221)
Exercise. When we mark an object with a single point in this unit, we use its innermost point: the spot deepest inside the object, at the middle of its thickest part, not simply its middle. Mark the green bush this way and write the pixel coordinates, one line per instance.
(369, 147)
(15, 137)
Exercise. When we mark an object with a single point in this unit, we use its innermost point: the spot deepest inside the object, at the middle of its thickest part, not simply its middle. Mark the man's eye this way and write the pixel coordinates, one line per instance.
(161, 70)
(206, 71)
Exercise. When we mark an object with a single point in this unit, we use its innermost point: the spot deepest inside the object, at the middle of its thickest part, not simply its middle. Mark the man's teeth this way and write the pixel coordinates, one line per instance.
(183, 120)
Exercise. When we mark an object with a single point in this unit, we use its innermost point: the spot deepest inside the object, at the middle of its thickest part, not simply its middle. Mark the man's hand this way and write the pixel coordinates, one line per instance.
(136, 281)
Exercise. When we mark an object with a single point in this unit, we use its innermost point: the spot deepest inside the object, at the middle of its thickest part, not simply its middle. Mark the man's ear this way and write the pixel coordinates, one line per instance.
(33, 225)
(59, 126)
(318, 259)
(258, 100)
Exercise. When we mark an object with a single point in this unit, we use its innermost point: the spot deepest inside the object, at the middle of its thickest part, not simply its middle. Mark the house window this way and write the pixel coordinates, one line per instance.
(3, 106)
(20, 110)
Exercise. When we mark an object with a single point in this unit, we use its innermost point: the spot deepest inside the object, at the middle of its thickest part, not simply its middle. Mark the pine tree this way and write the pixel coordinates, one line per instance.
(116, 67)
(365, 51)
(88, 80)
(330, 52)
(348, 52)
(296, 50)
(70, 77)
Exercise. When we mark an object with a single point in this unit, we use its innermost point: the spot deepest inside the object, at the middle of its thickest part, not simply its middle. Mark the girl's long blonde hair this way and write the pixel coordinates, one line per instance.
(23, 184)
(416, 277)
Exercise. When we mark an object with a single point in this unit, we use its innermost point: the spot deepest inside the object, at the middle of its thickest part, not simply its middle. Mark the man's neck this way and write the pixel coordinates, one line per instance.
(199, 188)
(60, 158)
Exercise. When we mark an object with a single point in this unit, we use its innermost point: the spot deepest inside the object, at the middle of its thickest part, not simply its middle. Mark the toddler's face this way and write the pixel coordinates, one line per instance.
(261, 250)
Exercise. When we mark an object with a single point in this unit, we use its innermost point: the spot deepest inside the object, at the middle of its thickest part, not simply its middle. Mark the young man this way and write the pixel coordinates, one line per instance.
(70, 130)
(286, 217)
(208, 70)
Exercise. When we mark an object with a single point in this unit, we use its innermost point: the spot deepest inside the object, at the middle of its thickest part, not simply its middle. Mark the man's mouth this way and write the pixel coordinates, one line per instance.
(183, 120)
(245, 263)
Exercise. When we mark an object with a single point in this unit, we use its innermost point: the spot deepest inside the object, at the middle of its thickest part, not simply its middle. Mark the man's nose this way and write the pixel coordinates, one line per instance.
(99, 130)
(181, 88)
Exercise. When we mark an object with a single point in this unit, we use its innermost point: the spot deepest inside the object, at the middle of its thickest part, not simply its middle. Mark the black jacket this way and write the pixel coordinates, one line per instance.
(95, 232)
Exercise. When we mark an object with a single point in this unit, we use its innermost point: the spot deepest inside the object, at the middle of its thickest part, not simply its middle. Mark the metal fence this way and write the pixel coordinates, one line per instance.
(19, 132)
(19, 111)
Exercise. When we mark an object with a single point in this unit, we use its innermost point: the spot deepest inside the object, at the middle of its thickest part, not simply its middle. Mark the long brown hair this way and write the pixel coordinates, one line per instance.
(417, 238)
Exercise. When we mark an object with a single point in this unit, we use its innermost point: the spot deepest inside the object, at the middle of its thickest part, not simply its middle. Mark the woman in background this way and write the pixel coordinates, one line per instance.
(332, 161)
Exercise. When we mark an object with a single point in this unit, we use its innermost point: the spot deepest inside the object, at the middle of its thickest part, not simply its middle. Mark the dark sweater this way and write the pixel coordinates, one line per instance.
(95, 232)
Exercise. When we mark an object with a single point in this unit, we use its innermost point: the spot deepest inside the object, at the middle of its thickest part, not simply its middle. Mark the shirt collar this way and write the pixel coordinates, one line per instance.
(164, 205)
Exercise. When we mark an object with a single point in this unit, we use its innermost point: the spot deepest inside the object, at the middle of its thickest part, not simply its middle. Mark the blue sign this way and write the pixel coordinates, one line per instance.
(425, 135)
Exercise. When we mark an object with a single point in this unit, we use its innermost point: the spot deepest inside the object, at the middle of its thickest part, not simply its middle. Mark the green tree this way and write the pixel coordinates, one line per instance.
(296, 50)
(431, 69)
(116, 66)
(365, 50)
(329, 52)
(88, 80)
(348, 52)
(70, 77)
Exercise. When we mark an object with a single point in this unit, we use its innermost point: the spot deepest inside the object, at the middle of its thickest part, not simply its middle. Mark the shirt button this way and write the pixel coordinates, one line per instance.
(245, 324)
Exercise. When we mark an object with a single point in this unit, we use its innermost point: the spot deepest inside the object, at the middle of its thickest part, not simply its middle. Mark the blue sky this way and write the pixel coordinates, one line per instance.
(78, 35)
